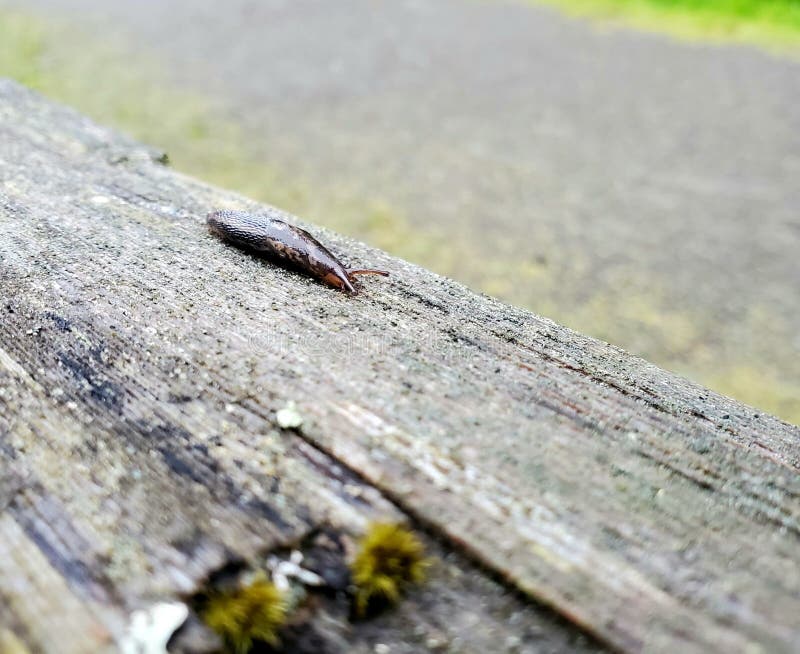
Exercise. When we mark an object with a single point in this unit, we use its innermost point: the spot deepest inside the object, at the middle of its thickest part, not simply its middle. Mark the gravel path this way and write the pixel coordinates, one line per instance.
(643, 190)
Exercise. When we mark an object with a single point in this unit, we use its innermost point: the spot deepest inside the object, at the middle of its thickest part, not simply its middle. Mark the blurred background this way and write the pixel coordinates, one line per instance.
(628, 168)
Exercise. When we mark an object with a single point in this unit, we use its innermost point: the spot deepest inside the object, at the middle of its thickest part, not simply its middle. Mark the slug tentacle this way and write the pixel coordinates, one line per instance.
(286, 244)
(366, 271)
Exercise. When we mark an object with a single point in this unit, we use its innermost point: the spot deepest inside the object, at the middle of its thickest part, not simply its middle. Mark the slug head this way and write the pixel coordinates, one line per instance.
(341, 281)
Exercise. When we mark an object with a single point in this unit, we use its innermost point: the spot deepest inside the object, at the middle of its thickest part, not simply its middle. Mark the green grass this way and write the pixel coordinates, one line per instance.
(772, 24)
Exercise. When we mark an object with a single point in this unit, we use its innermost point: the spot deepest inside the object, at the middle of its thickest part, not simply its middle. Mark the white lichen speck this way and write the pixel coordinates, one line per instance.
(289, 417)
(282, 571)
(149, 630)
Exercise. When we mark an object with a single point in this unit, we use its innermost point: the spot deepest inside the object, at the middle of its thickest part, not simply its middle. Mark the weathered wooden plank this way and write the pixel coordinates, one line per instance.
(29, 583)
(128, 475)
(142, 363)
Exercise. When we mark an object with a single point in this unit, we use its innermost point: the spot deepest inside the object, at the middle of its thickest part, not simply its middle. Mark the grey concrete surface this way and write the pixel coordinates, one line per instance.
(639, 189)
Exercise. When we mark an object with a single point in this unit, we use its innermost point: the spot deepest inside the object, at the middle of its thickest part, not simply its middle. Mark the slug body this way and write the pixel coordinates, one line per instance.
(286, 244)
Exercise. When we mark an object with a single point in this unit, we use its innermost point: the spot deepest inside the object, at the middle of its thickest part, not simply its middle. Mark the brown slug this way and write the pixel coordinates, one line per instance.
(286, 244)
